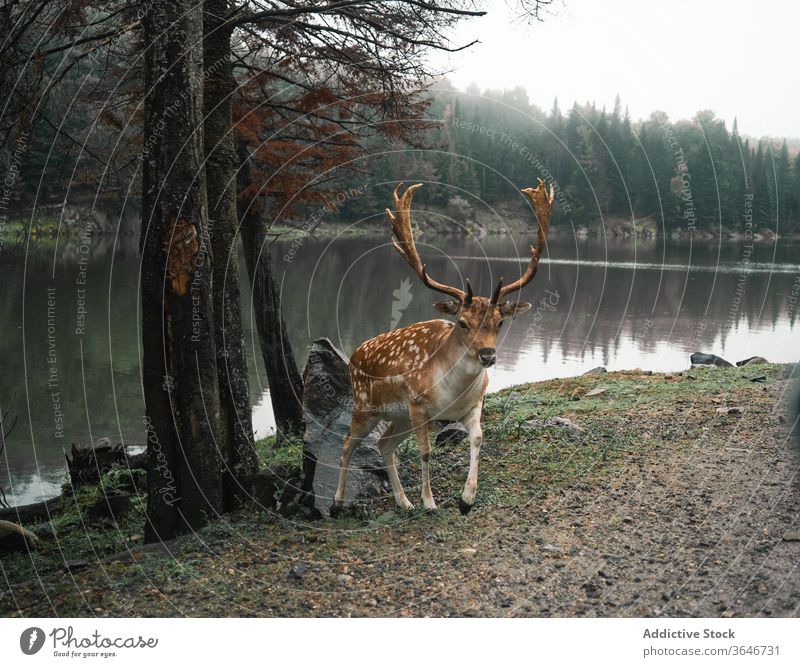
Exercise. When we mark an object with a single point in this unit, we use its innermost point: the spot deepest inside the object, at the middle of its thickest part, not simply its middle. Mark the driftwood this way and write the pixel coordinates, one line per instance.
(89, 463)
(30, 513)
(14, 537)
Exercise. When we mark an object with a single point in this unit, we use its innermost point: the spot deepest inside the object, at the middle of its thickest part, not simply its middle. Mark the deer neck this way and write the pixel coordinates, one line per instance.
(456, 365)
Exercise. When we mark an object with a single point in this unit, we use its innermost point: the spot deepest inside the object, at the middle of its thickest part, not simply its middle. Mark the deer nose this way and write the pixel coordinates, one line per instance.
(487, 356)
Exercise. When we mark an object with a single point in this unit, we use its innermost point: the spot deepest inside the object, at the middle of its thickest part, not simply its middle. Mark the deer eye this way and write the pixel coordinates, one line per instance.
(463, 324)
(500, 324)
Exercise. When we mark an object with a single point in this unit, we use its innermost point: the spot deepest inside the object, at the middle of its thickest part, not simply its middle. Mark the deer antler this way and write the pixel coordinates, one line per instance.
(401, 226)
(542, 203)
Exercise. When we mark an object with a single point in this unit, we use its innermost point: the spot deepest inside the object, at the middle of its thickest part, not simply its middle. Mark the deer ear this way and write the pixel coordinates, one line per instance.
(513, 308)
(447, 307)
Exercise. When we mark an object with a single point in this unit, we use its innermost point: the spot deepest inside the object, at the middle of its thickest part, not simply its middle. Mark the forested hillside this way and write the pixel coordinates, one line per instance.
(689, 174)
(478, 148)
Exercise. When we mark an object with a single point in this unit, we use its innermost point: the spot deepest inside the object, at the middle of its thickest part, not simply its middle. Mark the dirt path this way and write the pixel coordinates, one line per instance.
(663, 507)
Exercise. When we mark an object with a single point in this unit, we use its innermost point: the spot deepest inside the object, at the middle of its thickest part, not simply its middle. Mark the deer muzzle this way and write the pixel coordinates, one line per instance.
(487, 356)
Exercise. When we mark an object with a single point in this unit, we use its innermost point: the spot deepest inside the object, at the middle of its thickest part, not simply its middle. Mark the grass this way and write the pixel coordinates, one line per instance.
(73, 537)
(524, 459)
(288, 454)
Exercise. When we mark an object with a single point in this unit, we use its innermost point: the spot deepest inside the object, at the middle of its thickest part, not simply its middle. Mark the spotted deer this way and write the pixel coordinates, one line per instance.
(434, 370)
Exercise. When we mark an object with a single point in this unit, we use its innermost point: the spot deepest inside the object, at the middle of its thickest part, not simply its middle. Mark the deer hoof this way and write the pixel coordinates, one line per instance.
(335, 510)
(463, 507)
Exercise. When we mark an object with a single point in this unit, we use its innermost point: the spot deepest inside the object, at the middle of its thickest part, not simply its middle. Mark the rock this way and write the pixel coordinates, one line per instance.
(260, 489)
(112, 506)
(345, 579)
(14, 537)
(563, 421)
(752, 360)
(730, 410)
(596, 371)
(327, 402)
(759, 378)
(514, 396)
(596, 391)
(44, 531)
(298, 571)
(467, 551)
(291, 497)
(709, 360)
(451, 434)
(792, 536)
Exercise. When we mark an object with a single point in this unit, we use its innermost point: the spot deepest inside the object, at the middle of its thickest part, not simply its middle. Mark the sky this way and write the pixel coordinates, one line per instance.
(739, 59)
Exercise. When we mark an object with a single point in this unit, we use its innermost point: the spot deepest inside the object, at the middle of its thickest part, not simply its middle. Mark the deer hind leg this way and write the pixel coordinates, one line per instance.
(420, 424)
(391, 439)
(473, 426)
(360, 428)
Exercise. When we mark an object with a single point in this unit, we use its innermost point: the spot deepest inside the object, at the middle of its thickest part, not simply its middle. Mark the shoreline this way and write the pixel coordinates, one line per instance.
(545, 488)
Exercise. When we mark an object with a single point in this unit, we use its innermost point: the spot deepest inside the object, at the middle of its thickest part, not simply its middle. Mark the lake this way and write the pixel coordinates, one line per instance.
(70, 335)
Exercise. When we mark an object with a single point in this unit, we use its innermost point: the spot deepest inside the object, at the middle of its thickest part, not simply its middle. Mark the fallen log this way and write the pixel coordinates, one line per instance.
(30, 513)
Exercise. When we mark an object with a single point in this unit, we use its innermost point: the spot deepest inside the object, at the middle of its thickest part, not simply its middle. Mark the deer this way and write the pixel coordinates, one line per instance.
(433, 370)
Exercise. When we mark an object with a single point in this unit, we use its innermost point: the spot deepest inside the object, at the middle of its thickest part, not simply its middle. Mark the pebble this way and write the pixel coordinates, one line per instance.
(298, 570)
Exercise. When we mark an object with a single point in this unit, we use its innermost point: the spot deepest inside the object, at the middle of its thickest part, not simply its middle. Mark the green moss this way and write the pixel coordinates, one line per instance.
(287, 453)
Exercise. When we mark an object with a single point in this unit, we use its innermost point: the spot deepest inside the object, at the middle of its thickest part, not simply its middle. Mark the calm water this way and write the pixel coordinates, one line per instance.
(70, 338)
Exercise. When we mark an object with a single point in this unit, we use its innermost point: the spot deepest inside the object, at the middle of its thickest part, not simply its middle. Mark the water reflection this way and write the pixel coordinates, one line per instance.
(596, 302)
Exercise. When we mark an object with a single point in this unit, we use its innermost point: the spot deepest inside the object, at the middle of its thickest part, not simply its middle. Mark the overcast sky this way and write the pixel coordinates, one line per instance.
(737, 58)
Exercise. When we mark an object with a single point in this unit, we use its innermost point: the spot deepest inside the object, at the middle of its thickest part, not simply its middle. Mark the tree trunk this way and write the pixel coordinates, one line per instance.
(179, 370)
(236, 426)
(285, 383)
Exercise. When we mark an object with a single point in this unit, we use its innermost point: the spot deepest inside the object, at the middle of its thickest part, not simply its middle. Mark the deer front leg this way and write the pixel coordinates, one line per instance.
(473, 425)
(419, 421)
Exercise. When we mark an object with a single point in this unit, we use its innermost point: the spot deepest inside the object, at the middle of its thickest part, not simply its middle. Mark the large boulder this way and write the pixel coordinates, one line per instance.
(703, 359)
(14, 537)
(327, 404)
(452, 434)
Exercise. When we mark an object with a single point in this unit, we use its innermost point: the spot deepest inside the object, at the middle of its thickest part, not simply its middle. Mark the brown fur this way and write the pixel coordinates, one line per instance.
(435, 369)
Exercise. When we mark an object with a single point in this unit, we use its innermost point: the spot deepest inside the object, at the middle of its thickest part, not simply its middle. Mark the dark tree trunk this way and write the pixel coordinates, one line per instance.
(236, 427)
(179, 370)
(285, 383)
